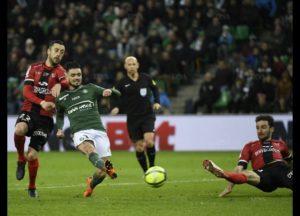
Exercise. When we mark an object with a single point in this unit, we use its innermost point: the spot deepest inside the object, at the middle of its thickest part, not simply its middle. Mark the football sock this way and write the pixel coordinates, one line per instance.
(19, 144)
(151, 155)
(33, 168)
(141, 157)
(237, 178)
(96, 180)
(96, 160)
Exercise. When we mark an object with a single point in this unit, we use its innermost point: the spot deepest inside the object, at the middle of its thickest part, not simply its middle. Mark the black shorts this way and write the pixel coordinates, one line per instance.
(39, 128)
(138, 125)
(273, 176)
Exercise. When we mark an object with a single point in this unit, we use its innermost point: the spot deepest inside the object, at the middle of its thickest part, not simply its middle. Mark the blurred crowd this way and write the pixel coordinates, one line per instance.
(242, 49)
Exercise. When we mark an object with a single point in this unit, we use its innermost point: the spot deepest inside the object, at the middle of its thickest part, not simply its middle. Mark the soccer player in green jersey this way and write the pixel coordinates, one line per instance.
(79, 103)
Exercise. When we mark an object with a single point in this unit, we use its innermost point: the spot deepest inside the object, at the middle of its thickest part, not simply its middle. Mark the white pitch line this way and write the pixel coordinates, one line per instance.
(117, 184)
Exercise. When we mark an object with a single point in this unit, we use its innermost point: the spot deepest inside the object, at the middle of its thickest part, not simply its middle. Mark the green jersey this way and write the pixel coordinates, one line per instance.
(81, 107)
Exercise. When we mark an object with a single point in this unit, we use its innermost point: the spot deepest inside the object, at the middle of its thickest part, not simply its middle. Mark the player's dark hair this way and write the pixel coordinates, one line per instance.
(267, 118)
(71, 65)
(51, 43)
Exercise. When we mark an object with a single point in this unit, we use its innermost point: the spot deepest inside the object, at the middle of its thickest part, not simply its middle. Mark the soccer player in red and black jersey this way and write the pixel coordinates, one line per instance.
(270, 160)
(43, 82)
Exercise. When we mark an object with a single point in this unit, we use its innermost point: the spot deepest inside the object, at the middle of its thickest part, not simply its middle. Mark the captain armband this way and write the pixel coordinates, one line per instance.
(29, 82)
(243, 163)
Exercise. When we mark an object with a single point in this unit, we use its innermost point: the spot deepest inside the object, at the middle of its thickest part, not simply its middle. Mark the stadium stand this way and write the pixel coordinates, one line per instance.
(245, 47)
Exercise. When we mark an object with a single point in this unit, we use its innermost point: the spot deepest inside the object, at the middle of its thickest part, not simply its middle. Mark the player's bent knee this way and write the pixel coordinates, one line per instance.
(138, 149)
(86, 147)
(21, 129)
(139, 146)
(149, 142)
(31, 156)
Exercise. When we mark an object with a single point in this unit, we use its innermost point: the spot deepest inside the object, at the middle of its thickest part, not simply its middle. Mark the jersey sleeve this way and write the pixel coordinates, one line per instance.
(245, 156)
(28, 87)
(115, 100)
(29, 77)
(286, 155)
(98, 90)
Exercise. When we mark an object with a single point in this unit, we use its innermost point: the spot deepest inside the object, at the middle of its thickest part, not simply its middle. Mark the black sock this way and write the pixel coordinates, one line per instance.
(96, 180)
(151, 155)
(141, 157)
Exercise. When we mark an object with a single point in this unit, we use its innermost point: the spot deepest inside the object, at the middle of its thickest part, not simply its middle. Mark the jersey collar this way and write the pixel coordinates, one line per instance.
(49, 68)
(75, 89)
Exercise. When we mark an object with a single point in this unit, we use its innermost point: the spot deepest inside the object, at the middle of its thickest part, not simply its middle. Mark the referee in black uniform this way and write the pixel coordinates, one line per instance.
(135, 102)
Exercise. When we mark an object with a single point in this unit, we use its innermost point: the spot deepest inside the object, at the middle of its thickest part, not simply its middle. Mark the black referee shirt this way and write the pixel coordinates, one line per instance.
(136, 95)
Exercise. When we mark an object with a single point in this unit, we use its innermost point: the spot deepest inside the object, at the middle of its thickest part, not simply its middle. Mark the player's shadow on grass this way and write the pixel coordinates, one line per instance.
(259, 195)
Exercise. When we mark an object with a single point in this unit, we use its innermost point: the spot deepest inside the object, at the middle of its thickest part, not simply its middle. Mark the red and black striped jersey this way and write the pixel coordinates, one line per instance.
(261, 153)
(39, 80)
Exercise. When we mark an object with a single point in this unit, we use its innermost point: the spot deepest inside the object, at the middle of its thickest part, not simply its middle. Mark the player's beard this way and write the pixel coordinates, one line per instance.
(268, 135)
(75, 85)
(53, 63)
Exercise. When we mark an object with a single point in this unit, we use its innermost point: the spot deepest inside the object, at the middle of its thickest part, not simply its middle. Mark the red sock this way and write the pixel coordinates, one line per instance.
(19, 144)
(33, 168)
(237, 178)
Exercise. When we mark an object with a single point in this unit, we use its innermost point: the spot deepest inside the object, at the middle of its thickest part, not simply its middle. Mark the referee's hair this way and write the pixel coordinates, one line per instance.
(71, 65)
(267, 118)
(51, 43)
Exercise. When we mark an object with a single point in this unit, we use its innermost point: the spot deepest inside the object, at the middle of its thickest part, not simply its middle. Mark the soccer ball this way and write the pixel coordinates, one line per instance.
(155, 176)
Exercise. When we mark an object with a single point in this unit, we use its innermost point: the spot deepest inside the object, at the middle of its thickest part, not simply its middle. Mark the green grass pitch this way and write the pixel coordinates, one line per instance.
(189, 190)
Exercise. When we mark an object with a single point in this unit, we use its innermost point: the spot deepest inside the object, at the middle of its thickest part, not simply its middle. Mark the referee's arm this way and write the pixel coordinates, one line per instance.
(116, 99)
(155, 91)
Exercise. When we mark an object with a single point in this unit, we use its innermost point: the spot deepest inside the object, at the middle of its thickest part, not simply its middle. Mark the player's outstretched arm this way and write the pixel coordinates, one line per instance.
(55, 91)
(109, 92)
(106, 93)
(116, 101)
(116, 92)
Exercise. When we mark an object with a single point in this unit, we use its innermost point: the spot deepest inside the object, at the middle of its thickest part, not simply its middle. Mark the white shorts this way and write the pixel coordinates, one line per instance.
(99, 138)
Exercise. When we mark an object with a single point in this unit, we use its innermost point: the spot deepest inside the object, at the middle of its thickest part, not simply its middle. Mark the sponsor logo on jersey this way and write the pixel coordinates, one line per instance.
(266, 149)
(81, 106)
(127, 85)
(143, 92)
(43, 83)
(41, 90)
